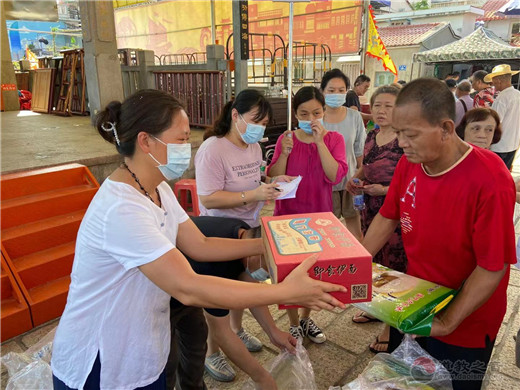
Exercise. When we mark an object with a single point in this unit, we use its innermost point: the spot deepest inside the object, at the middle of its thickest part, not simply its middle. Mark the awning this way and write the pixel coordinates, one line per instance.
(511, 8)
(481, 44)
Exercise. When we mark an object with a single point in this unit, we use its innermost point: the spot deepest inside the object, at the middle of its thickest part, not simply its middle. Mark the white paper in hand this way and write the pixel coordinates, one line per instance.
(289, 188)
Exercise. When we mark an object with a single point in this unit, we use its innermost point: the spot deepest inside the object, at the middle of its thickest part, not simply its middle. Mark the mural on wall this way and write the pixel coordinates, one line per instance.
(185, 26)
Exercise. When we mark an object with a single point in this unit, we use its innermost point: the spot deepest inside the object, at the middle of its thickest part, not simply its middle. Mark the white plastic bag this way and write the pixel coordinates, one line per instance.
(408, 367)
(35, 376)
(31, 369)
(291, 372)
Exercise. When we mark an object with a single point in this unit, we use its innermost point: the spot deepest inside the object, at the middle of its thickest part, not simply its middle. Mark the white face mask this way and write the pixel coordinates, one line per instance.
(179, 157)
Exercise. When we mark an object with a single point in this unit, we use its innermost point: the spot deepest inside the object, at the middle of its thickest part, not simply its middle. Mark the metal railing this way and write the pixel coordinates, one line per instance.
(265, 58)
(183, 58)
(199, 85)
(203, 93)
(310, 60)
(452, 3)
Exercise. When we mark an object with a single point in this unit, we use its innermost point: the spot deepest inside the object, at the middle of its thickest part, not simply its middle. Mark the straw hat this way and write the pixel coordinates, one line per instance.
(499, 70)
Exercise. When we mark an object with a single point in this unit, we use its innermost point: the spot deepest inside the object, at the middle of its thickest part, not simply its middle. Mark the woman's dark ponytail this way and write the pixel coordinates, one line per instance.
(104, 119)
(245, 101)
(222, 124)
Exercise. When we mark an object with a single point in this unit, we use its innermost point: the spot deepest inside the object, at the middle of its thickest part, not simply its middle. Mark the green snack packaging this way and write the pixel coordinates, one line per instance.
(405, 302)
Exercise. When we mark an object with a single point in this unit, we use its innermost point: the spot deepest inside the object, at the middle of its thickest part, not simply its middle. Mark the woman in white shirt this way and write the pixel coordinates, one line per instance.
(115, 329)
(349, 124)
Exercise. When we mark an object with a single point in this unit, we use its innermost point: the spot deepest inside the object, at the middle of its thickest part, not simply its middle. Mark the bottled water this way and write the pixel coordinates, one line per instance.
(359, 199)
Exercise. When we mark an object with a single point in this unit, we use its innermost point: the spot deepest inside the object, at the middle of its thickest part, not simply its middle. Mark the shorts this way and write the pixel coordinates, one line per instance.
(224, 228)
(343, 204)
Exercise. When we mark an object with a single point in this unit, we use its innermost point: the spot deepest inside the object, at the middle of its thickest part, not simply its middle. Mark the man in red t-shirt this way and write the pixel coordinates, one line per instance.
(455, 204)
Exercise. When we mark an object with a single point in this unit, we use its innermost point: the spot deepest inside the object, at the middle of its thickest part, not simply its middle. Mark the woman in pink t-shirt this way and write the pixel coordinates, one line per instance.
(227, 169)
(319, 157)
(227, 164)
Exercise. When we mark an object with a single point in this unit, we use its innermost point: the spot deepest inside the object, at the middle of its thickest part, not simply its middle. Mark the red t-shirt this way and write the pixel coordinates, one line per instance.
(453, 222)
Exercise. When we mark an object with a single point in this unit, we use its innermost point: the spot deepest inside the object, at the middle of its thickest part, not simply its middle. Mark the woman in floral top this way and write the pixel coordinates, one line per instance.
(381, 155)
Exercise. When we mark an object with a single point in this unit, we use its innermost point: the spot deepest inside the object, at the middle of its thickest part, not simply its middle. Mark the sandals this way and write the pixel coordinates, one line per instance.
(366, 318)
(372, 349)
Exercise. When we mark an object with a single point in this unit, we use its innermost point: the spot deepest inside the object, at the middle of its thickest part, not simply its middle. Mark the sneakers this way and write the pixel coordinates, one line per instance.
(312, 331)
(296, 332)
(218, 368)
(251, 342)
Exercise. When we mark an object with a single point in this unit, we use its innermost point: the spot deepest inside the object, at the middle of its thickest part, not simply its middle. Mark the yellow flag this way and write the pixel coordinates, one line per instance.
(29, 55)
(375, 46)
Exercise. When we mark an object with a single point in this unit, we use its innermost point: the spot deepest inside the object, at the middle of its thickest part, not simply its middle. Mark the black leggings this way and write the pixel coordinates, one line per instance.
(185, 367)
(223, 228)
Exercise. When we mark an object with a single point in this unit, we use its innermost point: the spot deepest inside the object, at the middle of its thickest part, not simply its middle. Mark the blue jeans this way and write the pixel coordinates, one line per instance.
(92, 382)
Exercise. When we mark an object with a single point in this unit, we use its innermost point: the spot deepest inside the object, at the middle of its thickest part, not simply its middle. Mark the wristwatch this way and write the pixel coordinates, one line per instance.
(243, 196)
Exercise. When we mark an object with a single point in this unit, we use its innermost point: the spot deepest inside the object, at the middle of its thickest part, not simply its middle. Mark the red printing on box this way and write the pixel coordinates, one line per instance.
(290, 239)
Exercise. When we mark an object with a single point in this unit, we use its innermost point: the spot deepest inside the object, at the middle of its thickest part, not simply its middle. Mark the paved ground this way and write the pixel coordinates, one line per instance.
(31, 140)
(44, 140)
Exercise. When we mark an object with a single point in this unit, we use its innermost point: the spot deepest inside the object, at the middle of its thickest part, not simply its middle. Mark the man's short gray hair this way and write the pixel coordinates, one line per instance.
(464, 86)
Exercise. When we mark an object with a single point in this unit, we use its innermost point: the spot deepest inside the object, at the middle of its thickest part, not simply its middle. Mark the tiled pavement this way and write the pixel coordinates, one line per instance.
(345, 353)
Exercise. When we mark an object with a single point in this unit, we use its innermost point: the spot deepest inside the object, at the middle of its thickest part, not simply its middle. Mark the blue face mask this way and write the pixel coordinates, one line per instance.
(260, 274)
(254, 133)
(179, 156)
(335, 100)
(306, 125)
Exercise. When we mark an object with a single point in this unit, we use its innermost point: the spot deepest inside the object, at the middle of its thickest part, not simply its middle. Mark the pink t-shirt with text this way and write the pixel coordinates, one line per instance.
(220, 165)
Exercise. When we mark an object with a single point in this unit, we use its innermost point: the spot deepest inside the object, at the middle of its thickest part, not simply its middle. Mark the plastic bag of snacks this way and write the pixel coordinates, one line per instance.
(404, 301)
(291, 372)
(408, 367)
(31, 369)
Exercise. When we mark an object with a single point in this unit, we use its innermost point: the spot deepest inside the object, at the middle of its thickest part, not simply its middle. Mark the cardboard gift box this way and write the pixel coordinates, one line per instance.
(290, 239)
(405, 302)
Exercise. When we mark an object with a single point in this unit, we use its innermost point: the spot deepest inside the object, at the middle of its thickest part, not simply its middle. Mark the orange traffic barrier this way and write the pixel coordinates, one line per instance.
(41, 213)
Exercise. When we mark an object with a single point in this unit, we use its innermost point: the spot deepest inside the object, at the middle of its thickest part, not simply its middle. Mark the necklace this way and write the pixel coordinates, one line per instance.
(142, 188)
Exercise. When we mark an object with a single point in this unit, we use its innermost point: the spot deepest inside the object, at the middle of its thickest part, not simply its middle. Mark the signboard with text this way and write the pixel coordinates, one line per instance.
(244, 30)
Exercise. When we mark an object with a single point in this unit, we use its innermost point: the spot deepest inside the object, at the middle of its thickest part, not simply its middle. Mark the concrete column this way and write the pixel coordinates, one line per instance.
(215, 57)
(102, 69)
(240, 65)
(146, 59)
(10, 98)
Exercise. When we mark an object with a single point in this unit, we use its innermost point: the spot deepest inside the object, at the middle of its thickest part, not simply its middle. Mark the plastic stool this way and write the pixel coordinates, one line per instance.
(189, 204)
